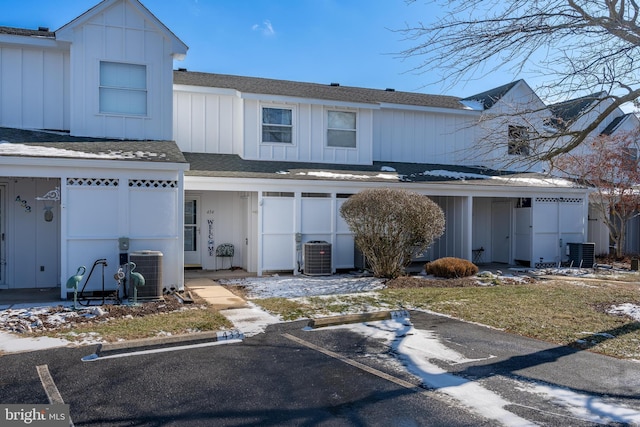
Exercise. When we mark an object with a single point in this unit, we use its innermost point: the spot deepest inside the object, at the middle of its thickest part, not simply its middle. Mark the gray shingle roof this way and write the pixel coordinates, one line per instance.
(34, 143)
(26, 32)
(264, 86)
(611, 127)
(232, 166)
(490, 97)
(568, 111)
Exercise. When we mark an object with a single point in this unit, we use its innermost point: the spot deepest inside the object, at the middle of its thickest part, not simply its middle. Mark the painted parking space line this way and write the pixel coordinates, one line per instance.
(406, 384)
(361, 366)
(95, 357)
(50, 388)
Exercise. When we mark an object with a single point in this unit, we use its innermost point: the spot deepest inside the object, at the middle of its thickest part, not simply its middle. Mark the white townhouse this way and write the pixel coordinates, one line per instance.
(109, 150)
(271, 162)
(88, 159)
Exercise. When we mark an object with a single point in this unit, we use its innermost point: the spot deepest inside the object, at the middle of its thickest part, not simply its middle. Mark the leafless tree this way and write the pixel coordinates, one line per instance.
(579, 46)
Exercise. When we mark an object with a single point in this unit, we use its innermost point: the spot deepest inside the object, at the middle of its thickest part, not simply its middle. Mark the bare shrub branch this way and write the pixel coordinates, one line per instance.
(389, 225)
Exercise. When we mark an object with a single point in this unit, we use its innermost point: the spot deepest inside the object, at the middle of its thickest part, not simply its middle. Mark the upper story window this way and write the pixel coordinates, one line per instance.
(341, 129)
(123, 88)
(518, 141)
(277, 125)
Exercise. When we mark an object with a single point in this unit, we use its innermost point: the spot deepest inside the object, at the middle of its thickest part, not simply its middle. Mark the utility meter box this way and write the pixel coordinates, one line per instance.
(123, 244)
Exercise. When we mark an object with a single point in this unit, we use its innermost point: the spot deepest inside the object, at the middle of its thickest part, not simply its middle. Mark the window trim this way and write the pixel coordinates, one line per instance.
(354, 130)
(292, 126)
(123, 88)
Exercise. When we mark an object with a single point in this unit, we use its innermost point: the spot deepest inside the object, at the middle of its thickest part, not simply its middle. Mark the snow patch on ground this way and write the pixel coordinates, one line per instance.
(587, 407)
(418, 349)
(251, 321)
(304, 286)
(627, 309)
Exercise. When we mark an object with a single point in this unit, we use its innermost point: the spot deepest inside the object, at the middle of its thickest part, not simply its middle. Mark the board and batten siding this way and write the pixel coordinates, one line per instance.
(207, 122)
(423, 137)
(120, 34)
(34, 88)
(309, 135)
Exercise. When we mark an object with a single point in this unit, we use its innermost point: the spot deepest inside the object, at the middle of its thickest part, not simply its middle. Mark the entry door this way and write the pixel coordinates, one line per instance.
(192, 242)
(501, 232)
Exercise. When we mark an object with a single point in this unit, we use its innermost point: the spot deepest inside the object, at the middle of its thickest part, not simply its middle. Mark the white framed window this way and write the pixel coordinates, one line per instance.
(123, 88)
(341, 129)
(518, 144)
(277, 125)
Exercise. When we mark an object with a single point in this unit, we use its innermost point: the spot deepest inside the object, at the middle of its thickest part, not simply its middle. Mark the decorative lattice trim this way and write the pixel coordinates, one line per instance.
(559, 200)
(93, 182)
(546, 265)
(152, 183)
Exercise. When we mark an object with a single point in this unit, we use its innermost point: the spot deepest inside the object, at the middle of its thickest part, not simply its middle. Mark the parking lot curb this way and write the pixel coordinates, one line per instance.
(170, 340)
(357, 318)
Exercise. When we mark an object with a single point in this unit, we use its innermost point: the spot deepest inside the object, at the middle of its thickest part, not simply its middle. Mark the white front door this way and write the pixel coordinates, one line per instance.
(192, 242)
(501, 232)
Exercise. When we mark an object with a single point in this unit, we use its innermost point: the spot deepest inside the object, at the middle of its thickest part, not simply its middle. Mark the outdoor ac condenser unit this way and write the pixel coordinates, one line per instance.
(582, 254)
(317, 258)
(149, 264)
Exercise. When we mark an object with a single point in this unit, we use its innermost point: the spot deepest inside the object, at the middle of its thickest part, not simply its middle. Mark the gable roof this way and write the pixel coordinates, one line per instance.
(65, 33)
(31, 143)
(568, 111)
(332, 92)
(488, 98)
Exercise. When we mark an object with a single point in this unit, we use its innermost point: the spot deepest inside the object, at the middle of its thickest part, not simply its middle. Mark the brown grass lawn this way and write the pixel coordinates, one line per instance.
(566, 311)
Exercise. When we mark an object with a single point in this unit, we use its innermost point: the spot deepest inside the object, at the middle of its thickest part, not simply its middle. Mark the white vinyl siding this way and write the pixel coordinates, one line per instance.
(123, 88)
(341, 129)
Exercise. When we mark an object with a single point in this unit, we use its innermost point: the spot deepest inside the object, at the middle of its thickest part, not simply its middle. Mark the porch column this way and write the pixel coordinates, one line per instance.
(467, 227)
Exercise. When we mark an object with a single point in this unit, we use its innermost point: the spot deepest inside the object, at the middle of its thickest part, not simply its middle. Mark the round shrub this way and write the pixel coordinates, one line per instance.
(450, 268)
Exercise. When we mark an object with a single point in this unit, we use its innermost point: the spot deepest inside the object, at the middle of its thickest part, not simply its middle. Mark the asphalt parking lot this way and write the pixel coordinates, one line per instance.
(293, 376)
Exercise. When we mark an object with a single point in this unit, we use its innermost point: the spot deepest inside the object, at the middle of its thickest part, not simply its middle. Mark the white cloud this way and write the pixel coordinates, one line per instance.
(266, 28)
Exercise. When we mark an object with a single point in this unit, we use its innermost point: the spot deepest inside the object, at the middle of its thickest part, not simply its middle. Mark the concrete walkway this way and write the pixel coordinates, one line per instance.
(215, 294)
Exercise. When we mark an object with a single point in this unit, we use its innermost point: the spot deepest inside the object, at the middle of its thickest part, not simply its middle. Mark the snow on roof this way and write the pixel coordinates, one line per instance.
(455, 175)
(7, 148)
(335, 175)
(517, 179)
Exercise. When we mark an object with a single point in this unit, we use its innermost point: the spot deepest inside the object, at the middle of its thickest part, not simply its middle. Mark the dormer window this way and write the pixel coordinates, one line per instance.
(123, 88)
(341, 129)
(518, 141)
(277, 125)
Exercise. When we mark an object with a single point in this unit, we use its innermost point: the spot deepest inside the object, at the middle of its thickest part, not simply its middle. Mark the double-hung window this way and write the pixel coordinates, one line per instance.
(341, 129)
(518, 141)
(277, 125)
(123, 88)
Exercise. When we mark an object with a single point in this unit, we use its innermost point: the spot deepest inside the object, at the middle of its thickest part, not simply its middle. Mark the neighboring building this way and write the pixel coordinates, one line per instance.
(577, 114)
(106, 74)
(263, 165)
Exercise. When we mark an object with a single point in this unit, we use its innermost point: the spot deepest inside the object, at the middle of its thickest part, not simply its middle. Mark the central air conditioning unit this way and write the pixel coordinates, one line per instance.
(582, 254)
(317, 258)
(149, 264)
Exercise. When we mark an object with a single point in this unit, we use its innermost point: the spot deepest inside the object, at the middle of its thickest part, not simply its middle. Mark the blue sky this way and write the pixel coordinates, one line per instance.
(350, 42)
